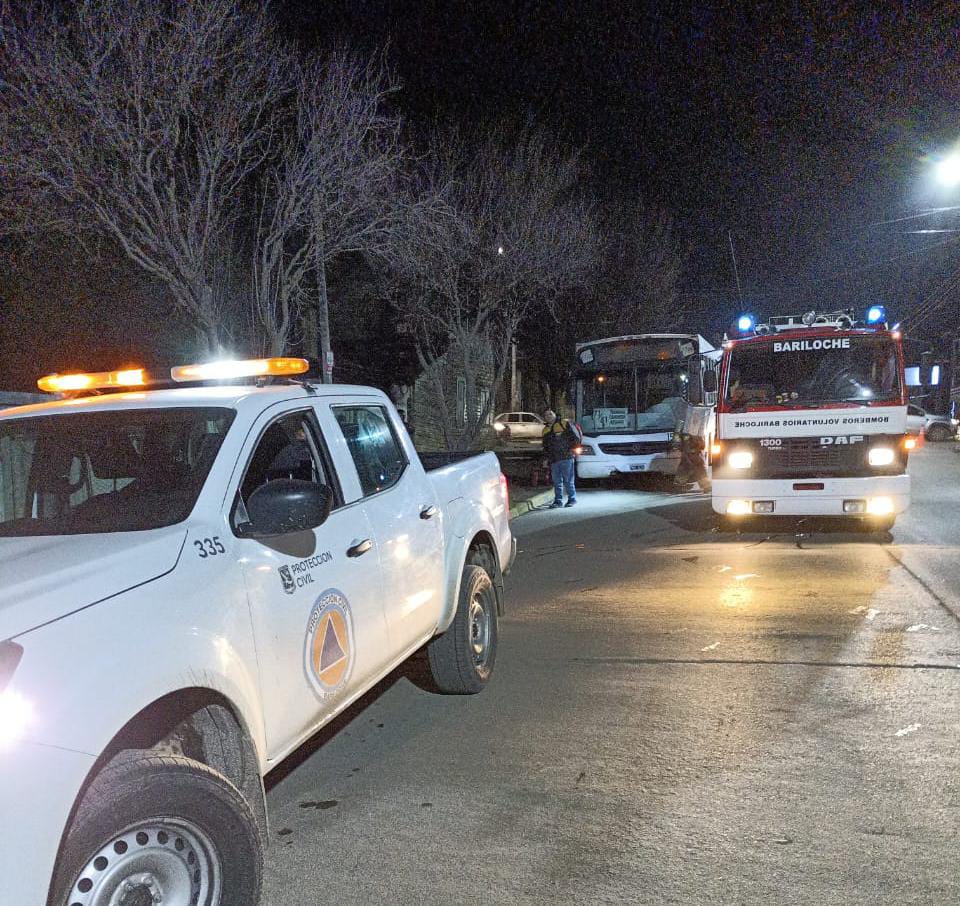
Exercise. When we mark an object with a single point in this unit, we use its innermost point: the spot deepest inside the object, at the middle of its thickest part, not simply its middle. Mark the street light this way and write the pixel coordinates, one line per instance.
(947, 171)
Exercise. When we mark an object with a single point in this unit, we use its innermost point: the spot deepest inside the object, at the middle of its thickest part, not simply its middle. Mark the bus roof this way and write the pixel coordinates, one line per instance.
(704, 345)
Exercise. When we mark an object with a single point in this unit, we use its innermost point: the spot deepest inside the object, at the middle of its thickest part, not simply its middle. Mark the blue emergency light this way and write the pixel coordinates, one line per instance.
(745, 323)
(876, 314)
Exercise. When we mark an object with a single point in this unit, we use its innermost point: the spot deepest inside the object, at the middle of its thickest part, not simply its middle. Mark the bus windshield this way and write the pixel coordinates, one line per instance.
(823, 370)
(630, 399)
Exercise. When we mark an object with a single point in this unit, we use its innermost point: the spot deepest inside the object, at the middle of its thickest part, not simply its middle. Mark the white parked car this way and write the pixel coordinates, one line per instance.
(511, 426)
(192, 582)
(933, 427)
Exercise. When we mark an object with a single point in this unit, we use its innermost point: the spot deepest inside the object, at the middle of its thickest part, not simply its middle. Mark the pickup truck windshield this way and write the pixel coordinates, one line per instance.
(812, 372)
(116, 471)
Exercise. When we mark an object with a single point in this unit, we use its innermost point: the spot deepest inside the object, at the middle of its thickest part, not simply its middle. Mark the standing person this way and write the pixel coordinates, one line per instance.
(560, 438)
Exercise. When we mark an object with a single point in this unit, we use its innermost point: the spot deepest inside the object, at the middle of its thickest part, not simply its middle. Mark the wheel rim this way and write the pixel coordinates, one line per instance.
(173, 863)
(480, 620)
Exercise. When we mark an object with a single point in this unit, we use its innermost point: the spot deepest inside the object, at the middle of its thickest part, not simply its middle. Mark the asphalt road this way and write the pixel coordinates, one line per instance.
(678, 715)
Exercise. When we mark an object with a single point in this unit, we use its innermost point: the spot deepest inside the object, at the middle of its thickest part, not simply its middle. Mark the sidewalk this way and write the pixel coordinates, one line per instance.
(523, 499)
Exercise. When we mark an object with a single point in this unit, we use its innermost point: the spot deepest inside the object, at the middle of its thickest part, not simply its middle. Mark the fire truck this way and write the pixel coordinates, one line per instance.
(812, 418)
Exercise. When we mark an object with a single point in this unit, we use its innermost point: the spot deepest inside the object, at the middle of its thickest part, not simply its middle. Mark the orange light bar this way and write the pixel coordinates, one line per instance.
(228, 369)
(71, 383)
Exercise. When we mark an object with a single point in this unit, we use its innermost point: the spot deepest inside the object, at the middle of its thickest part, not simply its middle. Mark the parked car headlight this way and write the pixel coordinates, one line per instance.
(499, 426)
(881, 456)
(740, 459)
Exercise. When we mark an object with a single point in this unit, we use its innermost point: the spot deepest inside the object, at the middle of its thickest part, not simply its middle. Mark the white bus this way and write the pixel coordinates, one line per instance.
(639, 398)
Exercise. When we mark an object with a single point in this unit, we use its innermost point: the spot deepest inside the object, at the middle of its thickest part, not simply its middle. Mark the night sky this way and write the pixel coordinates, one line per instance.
(799, 128)
(802, 129)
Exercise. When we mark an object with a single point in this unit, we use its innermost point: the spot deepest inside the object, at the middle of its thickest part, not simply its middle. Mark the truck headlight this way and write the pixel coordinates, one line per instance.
(879, 506)
(881, 456)
(740, 459)
(585, 450)
(16, 712)
(16, 716)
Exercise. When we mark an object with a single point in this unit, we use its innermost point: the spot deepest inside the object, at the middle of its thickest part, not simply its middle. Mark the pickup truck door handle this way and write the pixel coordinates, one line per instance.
(359, 548)
(428, 512)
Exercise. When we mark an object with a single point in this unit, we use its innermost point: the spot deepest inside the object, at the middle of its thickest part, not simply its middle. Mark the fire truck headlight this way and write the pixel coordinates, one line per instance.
(879, 506)
(740, 459)
(738, 507)
(881, 456)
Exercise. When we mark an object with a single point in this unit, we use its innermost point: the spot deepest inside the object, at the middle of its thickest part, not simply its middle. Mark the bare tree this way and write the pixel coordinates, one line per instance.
(636, 287)
(332, 192)
(141, 122)
(488, 237)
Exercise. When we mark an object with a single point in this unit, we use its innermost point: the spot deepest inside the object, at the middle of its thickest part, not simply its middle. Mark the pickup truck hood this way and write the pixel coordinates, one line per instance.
(45, 578)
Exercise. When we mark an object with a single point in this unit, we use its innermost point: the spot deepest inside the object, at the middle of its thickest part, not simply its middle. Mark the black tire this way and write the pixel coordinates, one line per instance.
(462, 659)
(162, 823)
(937, 433)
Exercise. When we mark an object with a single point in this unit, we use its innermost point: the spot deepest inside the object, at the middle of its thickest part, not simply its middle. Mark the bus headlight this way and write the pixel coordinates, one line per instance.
(881, 456)
(740, 459)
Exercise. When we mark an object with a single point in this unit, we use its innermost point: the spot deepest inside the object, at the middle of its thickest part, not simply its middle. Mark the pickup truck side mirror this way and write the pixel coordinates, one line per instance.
(287, 505)
(710, 382)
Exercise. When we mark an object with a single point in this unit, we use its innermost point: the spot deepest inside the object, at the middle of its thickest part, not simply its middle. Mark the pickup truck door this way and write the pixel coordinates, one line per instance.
(315, 597)
(401, 504)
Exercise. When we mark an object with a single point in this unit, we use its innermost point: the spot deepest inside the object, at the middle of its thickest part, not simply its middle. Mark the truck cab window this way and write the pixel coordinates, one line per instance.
(375, 450)
(287, 449)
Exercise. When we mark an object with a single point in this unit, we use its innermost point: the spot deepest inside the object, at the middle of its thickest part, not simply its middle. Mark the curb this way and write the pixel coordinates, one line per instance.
(531, 503)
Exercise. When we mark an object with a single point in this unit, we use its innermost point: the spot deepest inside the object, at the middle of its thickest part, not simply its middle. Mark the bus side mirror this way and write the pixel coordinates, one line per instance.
(710, 382)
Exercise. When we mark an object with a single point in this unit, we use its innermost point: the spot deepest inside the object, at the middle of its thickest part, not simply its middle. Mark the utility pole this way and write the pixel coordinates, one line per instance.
(736, 272)
(324, 352)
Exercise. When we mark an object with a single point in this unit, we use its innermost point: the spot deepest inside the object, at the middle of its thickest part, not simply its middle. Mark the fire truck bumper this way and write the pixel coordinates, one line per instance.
(879, 496)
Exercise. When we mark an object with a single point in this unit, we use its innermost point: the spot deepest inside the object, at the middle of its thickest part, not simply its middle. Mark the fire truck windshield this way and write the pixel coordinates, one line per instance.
(812, 371)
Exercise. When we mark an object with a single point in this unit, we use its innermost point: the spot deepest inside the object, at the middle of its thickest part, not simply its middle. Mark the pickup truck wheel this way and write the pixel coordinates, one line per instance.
(462, 659)
(160, 829)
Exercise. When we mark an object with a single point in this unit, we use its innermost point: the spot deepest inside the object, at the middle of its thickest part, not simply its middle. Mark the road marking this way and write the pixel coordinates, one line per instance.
(757, 662)
(906, 731)
(712, 647)
(743, 576)
(872, 612)
(916, 627)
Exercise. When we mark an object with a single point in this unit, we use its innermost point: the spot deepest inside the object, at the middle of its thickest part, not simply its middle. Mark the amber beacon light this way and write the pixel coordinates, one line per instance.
(74, 383)
(230, 369)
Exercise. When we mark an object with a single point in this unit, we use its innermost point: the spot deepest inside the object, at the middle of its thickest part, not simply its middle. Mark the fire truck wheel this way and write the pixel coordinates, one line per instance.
(160, 828)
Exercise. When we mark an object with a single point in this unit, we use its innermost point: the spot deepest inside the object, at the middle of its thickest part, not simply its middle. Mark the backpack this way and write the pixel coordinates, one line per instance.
(573, 434)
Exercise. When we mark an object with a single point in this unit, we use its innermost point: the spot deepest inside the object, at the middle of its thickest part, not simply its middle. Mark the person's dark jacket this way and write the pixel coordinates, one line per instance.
(559, 440)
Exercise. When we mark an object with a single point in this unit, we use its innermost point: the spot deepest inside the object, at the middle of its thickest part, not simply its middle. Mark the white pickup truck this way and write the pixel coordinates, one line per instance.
(192, 582)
